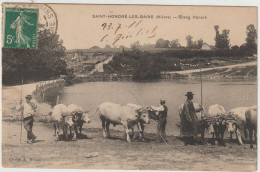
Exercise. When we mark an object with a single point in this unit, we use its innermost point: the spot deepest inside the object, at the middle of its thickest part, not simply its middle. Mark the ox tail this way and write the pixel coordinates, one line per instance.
(94, 112)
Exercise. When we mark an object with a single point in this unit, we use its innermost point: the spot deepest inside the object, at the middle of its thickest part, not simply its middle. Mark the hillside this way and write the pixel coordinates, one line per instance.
(166, 63)
(147, 65)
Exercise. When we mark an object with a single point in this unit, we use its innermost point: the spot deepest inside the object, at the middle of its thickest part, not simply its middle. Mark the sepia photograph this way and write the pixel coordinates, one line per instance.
(129, 87)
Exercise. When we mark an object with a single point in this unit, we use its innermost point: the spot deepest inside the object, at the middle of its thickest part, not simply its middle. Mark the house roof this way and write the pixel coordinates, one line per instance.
(206, 44)
(212, 47)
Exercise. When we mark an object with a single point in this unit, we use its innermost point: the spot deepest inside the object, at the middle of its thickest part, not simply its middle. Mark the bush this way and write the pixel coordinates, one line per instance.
(142, 65)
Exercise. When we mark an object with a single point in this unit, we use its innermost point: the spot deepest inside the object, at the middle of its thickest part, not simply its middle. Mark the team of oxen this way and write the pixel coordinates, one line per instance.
(239, 120)
(71, 118)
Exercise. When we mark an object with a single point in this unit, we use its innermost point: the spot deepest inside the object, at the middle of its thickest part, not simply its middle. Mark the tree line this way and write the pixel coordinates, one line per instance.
(144, 65)
(44, 63)
(222, 41)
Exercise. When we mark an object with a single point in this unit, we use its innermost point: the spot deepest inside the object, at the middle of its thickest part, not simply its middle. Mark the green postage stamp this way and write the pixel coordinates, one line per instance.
(21, 27)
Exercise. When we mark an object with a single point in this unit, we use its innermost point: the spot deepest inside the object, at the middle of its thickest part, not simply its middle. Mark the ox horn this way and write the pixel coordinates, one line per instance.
(93, 113)
(90, 109)
(148, 108)
(139, 102)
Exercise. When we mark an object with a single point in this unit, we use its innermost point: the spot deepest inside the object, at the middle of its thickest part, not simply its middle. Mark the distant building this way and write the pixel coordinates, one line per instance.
(206, 47)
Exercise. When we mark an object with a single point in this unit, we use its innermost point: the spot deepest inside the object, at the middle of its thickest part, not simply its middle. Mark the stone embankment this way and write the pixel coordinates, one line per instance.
(48, 91)
(45, 92)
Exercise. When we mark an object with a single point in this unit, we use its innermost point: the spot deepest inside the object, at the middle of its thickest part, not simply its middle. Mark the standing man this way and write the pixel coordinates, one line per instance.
(190, 126)
(29, 109)
(162, 120)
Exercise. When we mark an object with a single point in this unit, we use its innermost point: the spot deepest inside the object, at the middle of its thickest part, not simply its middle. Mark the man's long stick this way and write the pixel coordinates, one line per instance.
(162, 137)
(21, 111)
(156, 128)
(138, 101)
(200, 89)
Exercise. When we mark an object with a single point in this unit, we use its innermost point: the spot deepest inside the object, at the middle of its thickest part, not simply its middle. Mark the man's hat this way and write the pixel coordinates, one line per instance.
(162, 101)
(28, 96)
(189, 93)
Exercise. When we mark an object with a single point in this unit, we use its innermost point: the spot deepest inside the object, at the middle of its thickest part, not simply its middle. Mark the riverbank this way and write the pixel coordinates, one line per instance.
(11, 97)
(236, 71)
(48, 92)
(117, 154)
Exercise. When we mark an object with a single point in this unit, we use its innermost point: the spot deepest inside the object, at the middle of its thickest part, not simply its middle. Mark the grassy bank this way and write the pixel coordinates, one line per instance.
(238, 71)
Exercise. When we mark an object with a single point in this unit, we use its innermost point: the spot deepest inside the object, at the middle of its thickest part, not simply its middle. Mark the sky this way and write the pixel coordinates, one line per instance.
(79, 29)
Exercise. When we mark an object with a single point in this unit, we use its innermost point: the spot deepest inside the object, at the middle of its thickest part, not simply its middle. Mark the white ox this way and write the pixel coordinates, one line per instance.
(152, 114)
(251, 123)
(238, 124)
(215, 111)
(215, 118)
(61, 118)
(79, 117)
(120, 115)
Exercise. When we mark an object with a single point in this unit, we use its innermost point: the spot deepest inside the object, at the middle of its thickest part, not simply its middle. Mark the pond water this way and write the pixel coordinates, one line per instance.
(228, 93)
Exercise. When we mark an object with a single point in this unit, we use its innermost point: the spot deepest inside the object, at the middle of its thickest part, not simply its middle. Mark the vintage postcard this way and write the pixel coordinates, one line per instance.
(129, 87)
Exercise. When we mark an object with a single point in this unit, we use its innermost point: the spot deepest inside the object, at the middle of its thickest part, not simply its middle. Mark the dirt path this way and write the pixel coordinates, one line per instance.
(99, 66)
(213, 68)
(11, 96)
(118, 154)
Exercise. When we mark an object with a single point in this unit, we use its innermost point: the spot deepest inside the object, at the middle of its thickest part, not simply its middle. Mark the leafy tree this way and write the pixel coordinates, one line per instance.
(42, 63)
(95, 47)
(222, 40)
(146, 69)
(189, 41)
(175, 43)
(251, 38)
(235, 47)
(200, 43)
(107, 47)
(193, 44)
(217, 38)
(148, 46)
(135, 46)
(161, 43)
(122, 48)
(225, 41)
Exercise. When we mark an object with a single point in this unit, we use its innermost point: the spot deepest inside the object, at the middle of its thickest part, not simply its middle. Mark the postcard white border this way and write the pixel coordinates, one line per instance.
(140, 2)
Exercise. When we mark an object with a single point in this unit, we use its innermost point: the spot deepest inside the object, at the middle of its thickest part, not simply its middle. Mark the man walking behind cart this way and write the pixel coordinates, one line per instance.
(28, 108)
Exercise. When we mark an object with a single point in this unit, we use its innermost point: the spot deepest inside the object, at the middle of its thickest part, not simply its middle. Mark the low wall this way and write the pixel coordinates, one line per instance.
(48, 91)
(105, 78)
(44, 92)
